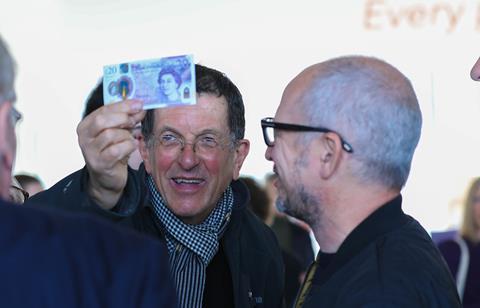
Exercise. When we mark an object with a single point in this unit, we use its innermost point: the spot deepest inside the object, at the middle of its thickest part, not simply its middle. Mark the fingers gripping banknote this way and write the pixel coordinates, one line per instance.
(158, 83)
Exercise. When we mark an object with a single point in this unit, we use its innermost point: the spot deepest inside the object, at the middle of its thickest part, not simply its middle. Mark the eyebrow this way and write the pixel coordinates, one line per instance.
(175, 131)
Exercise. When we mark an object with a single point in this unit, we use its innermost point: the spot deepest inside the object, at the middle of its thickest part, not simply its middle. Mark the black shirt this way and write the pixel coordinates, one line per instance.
(218, 285)
(383, 220)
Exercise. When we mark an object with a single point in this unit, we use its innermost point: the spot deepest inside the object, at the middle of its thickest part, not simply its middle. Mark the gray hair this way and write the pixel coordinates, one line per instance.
(372, 106)
(7, 74)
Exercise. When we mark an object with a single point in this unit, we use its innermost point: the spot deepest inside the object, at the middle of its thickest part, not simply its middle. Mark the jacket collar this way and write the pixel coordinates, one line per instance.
(386, 218)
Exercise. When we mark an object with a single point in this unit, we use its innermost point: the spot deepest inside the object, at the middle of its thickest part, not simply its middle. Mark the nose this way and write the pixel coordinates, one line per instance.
(268, 153)
(188, 159)
(475, 72)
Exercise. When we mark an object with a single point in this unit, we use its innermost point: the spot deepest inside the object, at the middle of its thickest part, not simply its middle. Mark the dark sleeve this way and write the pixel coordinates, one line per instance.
(432, 295)
(70, 195)
(129, 269)
(74, 260)
(148, 283)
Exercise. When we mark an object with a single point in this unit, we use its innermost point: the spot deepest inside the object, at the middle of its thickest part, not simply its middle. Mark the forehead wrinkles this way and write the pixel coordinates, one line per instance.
(205, 117)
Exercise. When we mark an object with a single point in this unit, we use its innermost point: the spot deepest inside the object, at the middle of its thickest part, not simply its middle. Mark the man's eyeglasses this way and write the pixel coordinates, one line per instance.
(269, 125)
(204, 145)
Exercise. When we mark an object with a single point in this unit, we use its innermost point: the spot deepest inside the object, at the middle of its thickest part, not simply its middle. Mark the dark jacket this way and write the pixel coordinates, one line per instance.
(49, 260)
(469, 253)
(251, 248)
(388, 260)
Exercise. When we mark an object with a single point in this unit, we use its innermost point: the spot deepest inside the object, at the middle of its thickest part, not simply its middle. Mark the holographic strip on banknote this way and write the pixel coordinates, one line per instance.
(158, 83)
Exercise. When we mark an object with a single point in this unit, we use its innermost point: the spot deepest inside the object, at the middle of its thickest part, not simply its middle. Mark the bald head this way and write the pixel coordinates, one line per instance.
(370, 104)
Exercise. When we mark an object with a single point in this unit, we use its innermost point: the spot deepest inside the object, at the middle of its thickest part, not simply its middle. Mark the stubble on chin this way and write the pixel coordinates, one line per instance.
(302, 206)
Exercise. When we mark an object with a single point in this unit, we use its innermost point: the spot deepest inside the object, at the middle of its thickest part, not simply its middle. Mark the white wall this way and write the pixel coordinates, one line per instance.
(61, 46)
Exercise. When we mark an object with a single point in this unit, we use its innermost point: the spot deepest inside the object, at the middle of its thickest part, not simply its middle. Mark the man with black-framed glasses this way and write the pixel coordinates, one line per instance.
(342, 143)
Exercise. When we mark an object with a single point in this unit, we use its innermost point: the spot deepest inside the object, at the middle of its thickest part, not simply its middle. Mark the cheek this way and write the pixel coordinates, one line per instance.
(281, 162)
(162, 163)
(214, 165)
(157, 163)
(219, 168)
(476, 210)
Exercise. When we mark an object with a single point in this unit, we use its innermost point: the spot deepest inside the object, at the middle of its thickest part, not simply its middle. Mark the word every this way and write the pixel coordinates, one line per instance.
(381, 15)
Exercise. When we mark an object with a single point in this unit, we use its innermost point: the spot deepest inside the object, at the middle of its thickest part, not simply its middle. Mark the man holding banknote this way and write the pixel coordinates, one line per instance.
(185, 194)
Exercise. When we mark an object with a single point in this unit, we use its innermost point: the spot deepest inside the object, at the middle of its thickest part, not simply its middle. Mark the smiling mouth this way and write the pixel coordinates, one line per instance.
(187, 181)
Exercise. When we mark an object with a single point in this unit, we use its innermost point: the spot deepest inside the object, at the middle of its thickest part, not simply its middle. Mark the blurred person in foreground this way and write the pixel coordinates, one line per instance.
(48, 260)
(342, 143)
(462, 252)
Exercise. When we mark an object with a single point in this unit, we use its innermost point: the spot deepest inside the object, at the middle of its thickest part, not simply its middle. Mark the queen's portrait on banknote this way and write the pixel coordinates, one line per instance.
(169, 82)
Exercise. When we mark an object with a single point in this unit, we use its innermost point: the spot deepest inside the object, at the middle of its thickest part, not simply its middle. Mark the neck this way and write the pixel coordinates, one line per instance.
(345, 211)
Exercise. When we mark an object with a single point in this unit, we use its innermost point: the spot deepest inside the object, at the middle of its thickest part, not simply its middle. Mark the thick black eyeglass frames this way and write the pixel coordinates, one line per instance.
(269, 125)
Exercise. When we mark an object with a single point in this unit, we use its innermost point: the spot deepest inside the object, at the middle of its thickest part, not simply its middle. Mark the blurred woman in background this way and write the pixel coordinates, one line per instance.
(462, 252)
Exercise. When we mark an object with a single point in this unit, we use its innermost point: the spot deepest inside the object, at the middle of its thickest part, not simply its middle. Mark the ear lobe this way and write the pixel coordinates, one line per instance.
(331, 154)
(240, 153)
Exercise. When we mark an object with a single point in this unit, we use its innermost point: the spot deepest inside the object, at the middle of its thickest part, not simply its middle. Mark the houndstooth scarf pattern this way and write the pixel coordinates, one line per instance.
(191, 247)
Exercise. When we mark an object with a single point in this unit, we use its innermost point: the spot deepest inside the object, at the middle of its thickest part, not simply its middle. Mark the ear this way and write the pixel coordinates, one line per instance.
(330, 154)
(240, 153)
(145, 153)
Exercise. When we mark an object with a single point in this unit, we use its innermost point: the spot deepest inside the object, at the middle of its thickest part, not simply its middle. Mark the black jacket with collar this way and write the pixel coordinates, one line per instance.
(251, 248)
(388, 260)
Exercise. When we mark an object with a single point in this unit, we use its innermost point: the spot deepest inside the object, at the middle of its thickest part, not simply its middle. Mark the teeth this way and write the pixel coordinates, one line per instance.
(187, 181)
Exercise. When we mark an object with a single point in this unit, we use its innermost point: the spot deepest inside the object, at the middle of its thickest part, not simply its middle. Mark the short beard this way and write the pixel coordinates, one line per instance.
(300, 203)
(302, 206)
